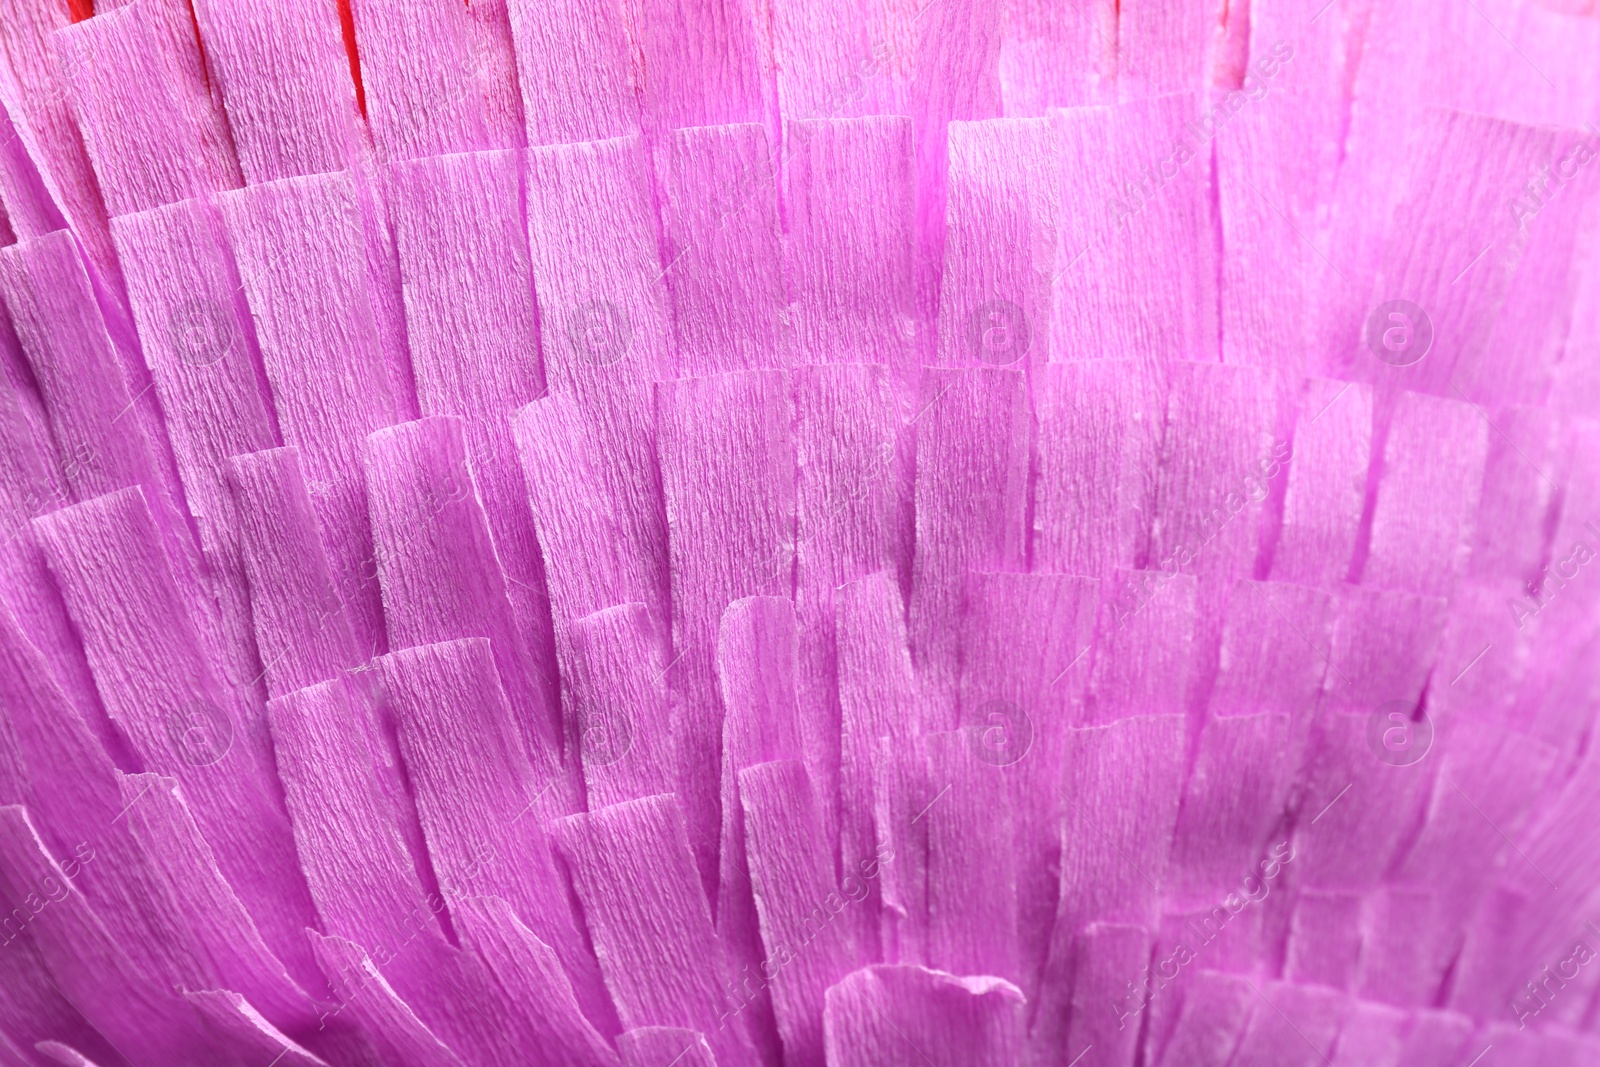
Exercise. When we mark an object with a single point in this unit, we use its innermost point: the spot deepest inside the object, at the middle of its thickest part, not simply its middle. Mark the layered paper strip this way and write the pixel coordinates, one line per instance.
(633, 533)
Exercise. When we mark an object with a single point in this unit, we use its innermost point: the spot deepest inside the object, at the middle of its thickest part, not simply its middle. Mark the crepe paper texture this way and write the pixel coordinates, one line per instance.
(797, 533)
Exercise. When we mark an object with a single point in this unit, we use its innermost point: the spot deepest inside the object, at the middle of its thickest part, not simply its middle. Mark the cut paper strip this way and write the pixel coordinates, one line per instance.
(183, 865)
(756, 664)
(37, 610)
(1215, 1011)
(301, 258)
(439, 567)
(721, 246)
(1384, 645)
(1517, 501)
(1264, 255)
(704, 60)
(1291, 1026)
(1274, 650)
(1436, 1039)
(809, 923)
(972, 872)
(1055, 56)
(1218, 460)
(106, 423)
(879, 697)
(1134, 203)
(1371, 1035)
(1433, 462)
(351, 830)
(596, 264)
(650, 922)
(1145, 638)
(1122, 786)
(849, 209)
(849, 503)
(55, 1050)
(46, 180)
(471, 326)
(711, 428)
(284, 79)
(399, 1036)
(308, 626)
(1488, 781)
(462, 1008)
(1409, 938)
(1000, 243)
(572, 70)
(1451, 249)
(1324, 939)
(620, 716)
(1025, 645)
(1575, 382)
(1364, 741)
(1165, 50)
(150, 127)
(438, 77)
(1518, 362)
(1348, 842)
(1327, 484)
(549, 1020)
(482, 806)
(117, 1000)
(246, 1028)
(1100, 1027)
(1232, 801)
(902, 795)
(648, 1046)
(829, 65)
(595, 493)
(153, 672)
(898, 1016)
(34, 1008)
(44, 731)
(1100, 423)
(971, 501)
(200, 347)
(81, 817)
(952, 76)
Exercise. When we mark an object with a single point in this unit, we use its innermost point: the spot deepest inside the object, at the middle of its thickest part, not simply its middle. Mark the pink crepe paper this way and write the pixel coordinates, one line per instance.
(650, 533)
